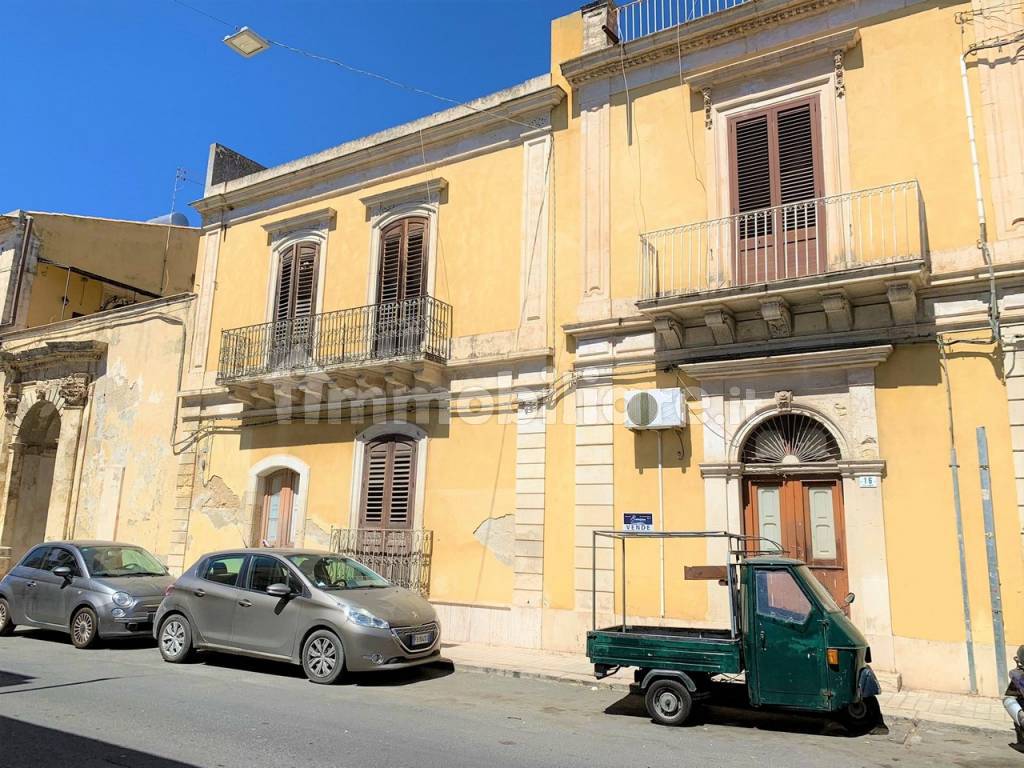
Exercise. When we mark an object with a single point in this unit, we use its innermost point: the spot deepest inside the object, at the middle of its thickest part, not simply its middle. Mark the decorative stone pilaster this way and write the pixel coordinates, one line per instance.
(75, 393)
(705, 93)
(595, 493)
(528, 578)
(837, 59)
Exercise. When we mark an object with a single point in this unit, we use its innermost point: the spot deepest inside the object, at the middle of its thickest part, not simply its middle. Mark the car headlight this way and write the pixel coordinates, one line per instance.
(364, 618)
(122, 599)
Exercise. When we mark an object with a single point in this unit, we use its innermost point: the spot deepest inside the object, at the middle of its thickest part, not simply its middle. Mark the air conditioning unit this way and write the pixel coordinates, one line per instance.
(655, 409)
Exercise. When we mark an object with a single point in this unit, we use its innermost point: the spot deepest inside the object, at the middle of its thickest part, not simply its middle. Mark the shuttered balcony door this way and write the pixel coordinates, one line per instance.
(293, 342)
(401, 283)
(386, 518)
(776, 175)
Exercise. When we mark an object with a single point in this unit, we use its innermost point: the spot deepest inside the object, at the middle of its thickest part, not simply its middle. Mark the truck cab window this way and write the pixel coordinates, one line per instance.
(780, 597)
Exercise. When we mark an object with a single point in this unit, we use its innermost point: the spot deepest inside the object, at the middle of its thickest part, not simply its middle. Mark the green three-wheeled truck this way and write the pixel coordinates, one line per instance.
(793, 643)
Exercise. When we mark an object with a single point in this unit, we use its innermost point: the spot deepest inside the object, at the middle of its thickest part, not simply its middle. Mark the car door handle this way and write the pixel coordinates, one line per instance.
(245, 603)
(199, 592)
(30, 585)
(764, 644)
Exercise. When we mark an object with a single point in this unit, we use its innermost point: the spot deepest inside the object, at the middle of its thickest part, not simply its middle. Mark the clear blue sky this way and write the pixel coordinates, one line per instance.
(105, 99)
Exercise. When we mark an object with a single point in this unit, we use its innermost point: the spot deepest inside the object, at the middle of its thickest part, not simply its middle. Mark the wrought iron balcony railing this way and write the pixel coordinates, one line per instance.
(414, 328)
(399, 555)
(640, 18)
(871, 227)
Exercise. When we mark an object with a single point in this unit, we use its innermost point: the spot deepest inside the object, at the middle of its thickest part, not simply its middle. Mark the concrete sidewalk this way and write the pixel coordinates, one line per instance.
(955, 709)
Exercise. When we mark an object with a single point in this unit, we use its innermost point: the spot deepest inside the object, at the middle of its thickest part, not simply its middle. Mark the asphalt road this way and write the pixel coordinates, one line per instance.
(123, 706)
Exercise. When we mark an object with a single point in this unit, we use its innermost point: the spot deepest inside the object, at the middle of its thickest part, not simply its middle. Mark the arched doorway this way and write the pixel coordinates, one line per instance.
(35, 453)
(793, 494)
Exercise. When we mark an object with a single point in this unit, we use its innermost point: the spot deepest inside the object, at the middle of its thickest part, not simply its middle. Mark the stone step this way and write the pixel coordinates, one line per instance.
(891, 682)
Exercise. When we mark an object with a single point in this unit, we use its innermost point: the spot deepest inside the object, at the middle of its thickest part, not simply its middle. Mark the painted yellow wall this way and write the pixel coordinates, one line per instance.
(481, 222)
(924, 573)
(50, 285)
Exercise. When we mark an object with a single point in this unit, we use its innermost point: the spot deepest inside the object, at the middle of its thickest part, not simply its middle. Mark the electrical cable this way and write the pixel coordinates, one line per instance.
(363, 72)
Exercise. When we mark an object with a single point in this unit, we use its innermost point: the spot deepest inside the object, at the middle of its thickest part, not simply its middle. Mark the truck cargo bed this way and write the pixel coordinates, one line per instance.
(682, 649)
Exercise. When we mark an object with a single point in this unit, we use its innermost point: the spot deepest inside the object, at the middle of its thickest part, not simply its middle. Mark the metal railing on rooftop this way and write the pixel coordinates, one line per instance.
(869, 227)
(419, 327)
(399, 555)
(640, 18)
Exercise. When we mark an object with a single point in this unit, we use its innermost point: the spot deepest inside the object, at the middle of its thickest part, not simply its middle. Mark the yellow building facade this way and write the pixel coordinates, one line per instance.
(773, 226)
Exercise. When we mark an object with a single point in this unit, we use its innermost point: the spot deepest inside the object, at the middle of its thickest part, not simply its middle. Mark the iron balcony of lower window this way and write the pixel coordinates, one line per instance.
(378, 349)
(802, 267)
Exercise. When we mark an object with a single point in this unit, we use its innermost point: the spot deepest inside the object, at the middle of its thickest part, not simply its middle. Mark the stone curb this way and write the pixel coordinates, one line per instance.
(915, 718)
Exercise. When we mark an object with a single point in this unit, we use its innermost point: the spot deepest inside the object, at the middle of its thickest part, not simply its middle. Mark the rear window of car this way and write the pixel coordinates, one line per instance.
(223, 569)
(35, 558)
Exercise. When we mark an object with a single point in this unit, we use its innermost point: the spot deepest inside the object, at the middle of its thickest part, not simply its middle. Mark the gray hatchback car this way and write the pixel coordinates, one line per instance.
(324, 611)
(89, 589)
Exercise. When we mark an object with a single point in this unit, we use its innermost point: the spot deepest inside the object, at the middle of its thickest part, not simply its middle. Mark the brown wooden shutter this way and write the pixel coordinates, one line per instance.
(296, 282)
(797, 162)
(403, 261)
(283, 300)
(753, 164)
(388, 483)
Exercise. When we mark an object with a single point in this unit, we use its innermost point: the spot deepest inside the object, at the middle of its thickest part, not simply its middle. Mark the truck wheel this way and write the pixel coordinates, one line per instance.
(668, 702)
(862, 715)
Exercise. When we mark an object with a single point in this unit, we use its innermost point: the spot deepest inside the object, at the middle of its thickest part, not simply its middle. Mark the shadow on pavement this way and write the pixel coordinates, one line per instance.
(13, 678)
(29, 746)
(61, 638)
(438, 669)
(731, 709)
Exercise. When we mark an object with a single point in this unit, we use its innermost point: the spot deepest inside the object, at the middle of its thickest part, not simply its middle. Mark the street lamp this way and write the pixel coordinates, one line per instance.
(246, 43)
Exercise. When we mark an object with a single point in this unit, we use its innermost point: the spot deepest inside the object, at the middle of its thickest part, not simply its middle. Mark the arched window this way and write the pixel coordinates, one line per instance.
(790, 438)
(278, 508)
(389, 483)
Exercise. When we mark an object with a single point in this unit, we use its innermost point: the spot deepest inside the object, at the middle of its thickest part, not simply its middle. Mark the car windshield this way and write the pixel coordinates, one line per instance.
(823, 595)
(121, 561)
(333, 572)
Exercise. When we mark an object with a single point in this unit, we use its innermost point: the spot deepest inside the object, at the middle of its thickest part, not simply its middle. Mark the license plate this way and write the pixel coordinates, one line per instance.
(422, 638)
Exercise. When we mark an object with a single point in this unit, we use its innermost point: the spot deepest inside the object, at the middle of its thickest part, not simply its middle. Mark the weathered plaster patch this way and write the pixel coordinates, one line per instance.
(219, 503)
(498, 535)
(316, 536)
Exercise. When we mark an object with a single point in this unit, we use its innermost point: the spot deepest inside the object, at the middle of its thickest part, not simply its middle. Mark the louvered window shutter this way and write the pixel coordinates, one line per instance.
(296, 282)
(403, 261)
(775, 157)
(283, 300)
(389, 484)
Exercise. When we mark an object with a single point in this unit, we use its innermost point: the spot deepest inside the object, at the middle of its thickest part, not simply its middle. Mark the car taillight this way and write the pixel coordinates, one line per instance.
(833, 657)
(170, 588)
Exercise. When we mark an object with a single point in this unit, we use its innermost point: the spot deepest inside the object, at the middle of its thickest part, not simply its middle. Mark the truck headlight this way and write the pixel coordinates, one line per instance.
(364, 618)
(122, 599)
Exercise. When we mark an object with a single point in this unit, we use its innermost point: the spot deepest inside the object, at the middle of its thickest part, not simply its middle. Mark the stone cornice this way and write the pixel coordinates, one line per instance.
(747, 367)
(610, 326)
(432, 191)
(48, 353)
(849, 468)
(824, 45)
(310, 171)
(301, 221)
(707, 32)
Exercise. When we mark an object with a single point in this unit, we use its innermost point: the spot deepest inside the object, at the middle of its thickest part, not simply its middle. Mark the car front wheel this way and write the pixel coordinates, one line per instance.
(6, 622)
(84, 630)
(175, 639)
(323, 657)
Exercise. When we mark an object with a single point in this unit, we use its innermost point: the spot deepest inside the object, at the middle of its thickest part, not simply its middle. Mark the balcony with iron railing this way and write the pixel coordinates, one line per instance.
(639, 18)
(857, 240)
(384, 346)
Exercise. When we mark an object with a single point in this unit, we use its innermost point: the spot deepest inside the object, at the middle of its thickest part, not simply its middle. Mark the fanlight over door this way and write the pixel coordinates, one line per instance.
(802, 513)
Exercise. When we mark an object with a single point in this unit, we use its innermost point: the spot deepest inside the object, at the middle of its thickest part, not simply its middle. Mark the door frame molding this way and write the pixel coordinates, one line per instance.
(405, 429)
(259, 472)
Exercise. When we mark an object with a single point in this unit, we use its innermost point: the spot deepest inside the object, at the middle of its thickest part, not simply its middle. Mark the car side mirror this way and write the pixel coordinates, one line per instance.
(279, 590)
(63, 571)
(850, 597)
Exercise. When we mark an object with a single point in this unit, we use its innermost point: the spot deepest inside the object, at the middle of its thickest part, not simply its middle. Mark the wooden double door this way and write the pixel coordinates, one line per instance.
(805, 517)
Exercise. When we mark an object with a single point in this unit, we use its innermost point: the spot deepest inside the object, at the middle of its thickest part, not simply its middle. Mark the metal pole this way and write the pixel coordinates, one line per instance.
(995, 592)
(593, 580)
(661, 524)
(623, 583)
(954, 469)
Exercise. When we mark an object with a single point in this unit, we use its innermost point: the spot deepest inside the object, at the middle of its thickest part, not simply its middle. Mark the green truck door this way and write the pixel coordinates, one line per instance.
(786, 644)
